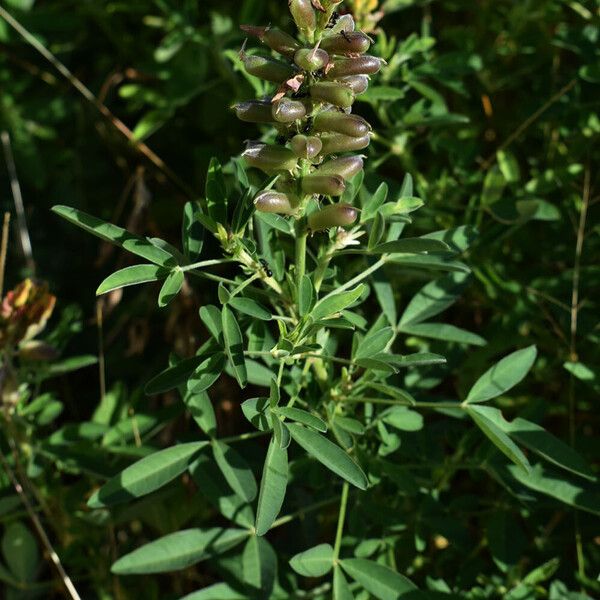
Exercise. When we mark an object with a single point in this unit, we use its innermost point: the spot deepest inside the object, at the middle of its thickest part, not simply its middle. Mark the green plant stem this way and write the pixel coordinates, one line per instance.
(301, 237)
(303, 511)
(244, 284)
(244, 436)
(341, 519)
(207, 263)
(363, 275)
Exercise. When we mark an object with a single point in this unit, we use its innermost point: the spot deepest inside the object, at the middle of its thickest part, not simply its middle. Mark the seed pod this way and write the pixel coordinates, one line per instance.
(306, 146)
(335, 215)
(268, 69)
(285, 110)
(359, 84)
(254, 111)
(274, 38)
(362, 65)
(339, 122)
(304, 16)
(269, 158)
(311, 59)
(346, 167)
(345, 23)
(355, 42)
(326, 185)
(334, 93)
(273, 202)
(334, 143)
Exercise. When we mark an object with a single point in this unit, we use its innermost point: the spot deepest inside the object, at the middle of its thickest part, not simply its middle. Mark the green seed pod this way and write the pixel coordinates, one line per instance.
(346, 167)
(335, 215)
(274, 38)
(334, 93)
(311, 59)
(340, 122)
(326, 185)
(285, 110)
(362, 65)
(306, 146)
(269, 158)
(304, 16)
(273, 202)
(254, 111)
(359, 84)
(355, 42)
(333, 143)
(268, 69)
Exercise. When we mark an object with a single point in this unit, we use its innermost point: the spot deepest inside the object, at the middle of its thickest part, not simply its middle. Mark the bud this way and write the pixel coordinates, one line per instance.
(35, 350)
(355, 42)
(334, 93)
(311, 59)
(268, 69)
(345, 23)
(274, 38)
(269, 158)
(306, 146)
(346, 167)
(304, 16)
(285, 110)
(362, 65)
(335, 215)
(254, 111)
(359, 84)
(340, 122)
(273, 202)
(326, 185)
(333, 143)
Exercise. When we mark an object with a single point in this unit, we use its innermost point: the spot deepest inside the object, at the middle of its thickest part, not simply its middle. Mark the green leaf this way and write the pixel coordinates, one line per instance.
(503, 376)
(171, 287)
(216, 192)
(20, 551)
(179, 550)
(192, 233)
(403, 418)
(174, 376)
(375, 202)
(259, 565)
(444, 332)
(306, 295)
(202, 411)
(329, 454)
(335, 302)
(341, 589)
(133, 275)
(315, 562)
(374, 342)
(234, 346)
(146, 475)
(509, 167)
(304, 417)
(250, 307)
(272, 487)
(433, 262)
(493, 186)
(379, 580)
(218, 591)
(207, 372)
(116, 235)
(377, 231)
(411, 245)
(211, 317)
(235, 470)
(486, 419)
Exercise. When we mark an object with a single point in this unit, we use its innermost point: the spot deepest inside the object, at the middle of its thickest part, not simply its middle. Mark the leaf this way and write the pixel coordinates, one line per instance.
(493, 186)
(374, 342)
(304, 417)
(146, 475)
(202, 411)
(377, 231)
(403, 418)
(129, 276)
(171, 287)
(335, 302)
(329, 454)
(315, 562)
(234, 347)
(256, 411)
(216, 192)
(411, 245)
(272, 487)
(207, 372)
(503, 375)
(179, 550)
(341, 589)
(444, 332)
(174, 376)
(235, 470)
(508, 165)
(211, 317)
(20, 551)
(250, 307)
(306, 295)
(259, 565)
(379, 580)
(487, 422)
(506, 539)
(217, 591)
(433, 262)
(116, 235)
(375, 202)
(192, 231)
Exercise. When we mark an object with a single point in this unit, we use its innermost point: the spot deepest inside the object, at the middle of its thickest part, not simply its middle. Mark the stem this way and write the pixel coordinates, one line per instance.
(341, 519)
(207, 263)
(363, 275)
(302, 511)
(301, 236)
(243, 437)
(4, 250)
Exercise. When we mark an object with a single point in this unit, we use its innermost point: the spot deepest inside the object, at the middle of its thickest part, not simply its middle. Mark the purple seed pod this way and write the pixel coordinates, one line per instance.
(359, 84)
(254, 111)
(335, 215)
(273, 202)
(361, 65)
(311, 59)
(269, 158)
(325, 185)
(346, 167)
(306, 146)
(304, 16)
(355, 42)
(333, 93)
(274, 38)
(285, 110)
(340, 122)
(334, 143)
(268, 69)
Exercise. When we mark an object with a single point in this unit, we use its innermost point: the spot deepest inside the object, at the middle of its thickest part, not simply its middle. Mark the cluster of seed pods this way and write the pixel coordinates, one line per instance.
(318, 78)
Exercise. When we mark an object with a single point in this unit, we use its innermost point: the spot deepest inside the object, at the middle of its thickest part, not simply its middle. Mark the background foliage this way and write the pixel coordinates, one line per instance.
(492, 107)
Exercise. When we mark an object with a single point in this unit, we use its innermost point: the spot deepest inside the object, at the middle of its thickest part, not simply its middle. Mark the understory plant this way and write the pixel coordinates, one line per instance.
(307, 322)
